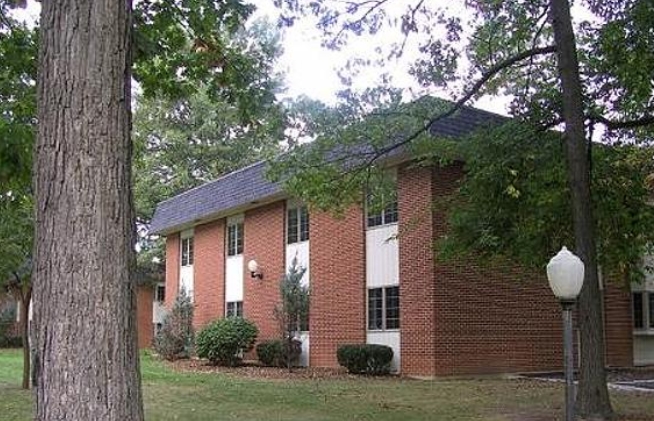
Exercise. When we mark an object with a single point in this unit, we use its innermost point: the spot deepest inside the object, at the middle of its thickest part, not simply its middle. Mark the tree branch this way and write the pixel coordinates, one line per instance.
(646, 120)
(486, 76)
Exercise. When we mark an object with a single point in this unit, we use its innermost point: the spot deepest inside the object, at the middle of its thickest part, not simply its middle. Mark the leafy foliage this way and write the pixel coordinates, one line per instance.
(17, 105)
(269, 353)
(175, 339)
(185, 44)
(275, 353)
(224, 341)
(515, 200)
(365, 359)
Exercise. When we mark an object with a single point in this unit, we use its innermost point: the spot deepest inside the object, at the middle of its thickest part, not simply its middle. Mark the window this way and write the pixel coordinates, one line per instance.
(160, 293)
(388, 213)
(187, 251)
(234, 309)
(235, 239)
(384, 308)
(297, 224)
(643, 308)
(304, 322)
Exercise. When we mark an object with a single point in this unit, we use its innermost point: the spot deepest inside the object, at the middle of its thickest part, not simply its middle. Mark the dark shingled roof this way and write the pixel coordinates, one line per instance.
(247, 185)
(238, 188)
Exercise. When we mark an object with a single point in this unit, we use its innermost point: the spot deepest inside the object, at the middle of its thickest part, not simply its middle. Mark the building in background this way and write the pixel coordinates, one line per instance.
(373, 275)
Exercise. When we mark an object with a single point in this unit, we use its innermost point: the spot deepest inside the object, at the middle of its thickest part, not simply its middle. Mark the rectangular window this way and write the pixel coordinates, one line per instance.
(388, 214)
(304, 322)
(639, 315)
(297, 224)
(392, 307)
(187, 251)
(160, 293)
(384, 308)
(234, 309)
(235, 239)
(375, 309)
(651, 309)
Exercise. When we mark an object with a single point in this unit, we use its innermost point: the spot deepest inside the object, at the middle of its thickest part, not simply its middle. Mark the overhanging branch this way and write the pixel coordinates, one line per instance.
(486, 76)
(647, 120)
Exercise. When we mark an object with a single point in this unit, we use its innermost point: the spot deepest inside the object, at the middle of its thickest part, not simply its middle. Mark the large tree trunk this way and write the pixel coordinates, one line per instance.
(592, 396)
(86, 354)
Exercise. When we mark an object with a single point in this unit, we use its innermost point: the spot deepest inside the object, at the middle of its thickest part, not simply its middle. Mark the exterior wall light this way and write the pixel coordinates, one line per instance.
(565, 273)
(253, 267)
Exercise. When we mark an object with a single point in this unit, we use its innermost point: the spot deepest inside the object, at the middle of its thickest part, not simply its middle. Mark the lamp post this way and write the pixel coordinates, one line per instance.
(565, 273)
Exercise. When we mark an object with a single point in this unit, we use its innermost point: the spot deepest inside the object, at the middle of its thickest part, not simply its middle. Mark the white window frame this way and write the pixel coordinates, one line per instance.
(383, 213)
(239, 229)
(186, 247)
(299, 210)
(647, 308)
(384, 315)
(235, 311)
(158, 288)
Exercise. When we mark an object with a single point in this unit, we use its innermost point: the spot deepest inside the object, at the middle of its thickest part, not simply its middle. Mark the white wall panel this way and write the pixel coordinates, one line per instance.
(388, 338)
(304, 357)
(234, 268)
(186, 280)
(158, 311)
(301, 251)
(382, 256)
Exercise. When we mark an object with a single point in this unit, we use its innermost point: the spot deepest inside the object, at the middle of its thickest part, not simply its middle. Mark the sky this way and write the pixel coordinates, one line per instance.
(311, 70)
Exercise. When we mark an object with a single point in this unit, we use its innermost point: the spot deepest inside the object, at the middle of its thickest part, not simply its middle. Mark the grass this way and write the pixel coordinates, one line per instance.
(171, 395)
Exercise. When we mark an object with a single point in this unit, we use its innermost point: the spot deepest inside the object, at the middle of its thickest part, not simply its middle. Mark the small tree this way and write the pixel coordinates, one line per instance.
(293, 310)
(175, 339)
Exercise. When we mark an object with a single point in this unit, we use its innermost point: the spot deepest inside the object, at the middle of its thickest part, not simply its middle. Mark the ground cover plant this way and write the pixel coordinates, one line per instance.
(200, 393)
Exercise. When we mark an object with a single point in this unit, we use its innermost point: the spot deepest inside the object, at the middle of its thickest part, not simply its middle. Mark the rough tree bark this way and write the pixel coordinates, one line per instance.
(592, 396)
(86, 356)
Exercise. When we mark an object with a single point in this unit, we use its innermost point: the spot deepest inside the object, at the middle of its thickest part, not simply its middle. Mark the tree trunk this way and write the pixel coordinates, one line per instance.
(26, 297)
(592, 396)
(84, 309)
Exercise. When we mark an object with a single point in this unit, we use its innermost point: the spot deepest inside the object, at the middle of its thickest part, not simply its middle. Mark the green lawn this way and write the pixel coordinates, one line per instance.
(171, 395)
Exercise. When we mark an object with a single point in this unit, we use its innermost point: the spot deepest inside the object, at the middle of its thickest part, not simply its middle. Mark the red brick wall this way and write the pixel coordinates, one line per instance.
(337, 256)
(144, 298)
(457, 317)
(618, 325)
(490, 318)
(172, 269)
(264, 242)
(209, 273)
(417, 289)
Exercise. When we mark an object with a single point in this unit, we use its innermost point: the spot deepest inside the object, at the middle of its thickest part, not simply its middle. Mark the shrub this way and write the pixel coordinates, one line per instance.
(8, 335)
(224, 341)
(269, 353)
(175, 339)
(365, 358)
(273, 353)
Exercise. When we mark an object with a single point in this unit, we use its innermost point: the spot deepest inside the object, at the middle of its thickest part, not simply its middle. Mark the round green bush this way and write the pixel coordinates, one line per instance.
(224, 341)
(269, 353)
(365, 358)
(274, 353)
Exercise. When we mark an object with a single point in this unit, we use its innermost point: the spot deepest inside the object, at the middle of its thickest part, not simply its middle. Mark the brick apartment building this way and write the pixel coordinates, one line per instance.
(373, 277)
